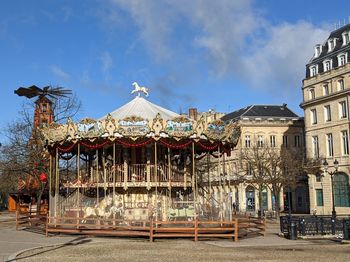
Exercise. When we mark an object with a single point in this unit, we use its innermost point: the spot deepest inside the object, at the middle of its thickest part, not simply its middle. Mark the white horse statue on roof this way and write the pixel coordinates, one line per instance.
(139, 89)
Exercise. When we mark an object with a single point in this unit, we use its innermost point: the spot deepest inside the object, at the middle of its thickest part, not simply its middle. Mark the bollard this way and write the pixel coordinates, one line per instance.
(293, 231)
(346, 229)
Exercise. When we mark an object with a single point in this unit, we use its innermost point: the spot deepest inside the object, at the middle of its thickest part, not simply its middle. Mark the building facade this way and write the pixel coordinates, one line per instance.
(265, 126)
(326, 90)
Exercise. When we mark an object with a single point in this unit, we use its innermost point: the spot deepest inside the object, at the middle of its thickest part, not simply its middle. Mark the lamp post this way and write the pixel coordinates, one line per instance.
(332, 173)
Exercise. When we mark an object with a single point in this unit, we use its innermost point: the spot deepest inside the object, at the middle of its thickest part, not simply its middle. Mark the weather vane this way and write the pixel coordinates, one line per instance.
(139, 89)
(50, 91)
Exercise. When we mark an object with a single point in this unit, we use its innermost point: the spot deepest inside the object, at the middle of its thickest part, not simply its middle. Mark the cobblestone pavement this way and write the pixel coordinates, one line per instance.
(12, 241)
(79, 248)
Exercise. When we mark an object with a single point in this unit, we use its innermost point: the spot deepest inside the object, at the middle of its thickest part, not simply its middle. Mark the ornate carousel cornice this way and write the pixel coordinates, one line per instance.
(135, 128)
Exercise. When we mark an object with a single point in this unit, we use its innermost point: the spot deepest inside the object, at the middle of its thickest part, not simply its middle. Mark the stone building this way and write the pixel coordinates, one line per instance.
(326, 90)
(271, 126)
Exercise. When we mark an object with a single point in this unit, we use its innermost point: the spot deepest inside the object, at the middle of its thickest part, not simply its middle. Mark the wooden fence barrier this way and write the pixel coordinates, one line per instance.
(194, 229)
(29, 218)
(251, 226)
(97, 226)
(156, 229)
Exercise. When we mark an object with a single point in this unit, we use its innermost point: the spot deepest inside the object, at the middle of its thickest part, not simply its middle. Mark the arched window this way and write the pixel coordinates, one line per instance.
(341, 190)
(250, 198)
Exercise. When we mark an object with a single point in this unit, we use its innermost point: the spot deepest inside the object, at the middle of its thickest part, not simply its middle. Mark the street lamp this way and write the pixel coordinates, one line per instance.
(332, 173)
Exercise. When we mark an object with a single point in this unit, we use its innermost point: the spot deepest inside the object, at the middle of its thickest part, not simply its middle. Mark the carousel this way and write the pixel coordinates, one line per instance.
(137, 163)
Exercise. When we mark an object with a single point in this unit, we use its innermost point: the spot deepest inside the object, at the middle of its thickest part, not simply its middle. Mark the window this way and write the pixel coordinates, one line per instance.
(318, 50)
(315, 147)
(329, 138)
(342, 59)
(313, 116)
(312, 93)
(272, 141)
(342, 109)
(325, 89)
(345, 142)
(247, 141)
(341, 190)
(331, 44)
(249, 169)
(297, 142)
(327, 113)
(44, 123)
(327, 65)
(318, 177)
(260, 141)
(44, 108)
(340, 84)
(319, 197)
(313, 70)
(285, 141)
(346, 38)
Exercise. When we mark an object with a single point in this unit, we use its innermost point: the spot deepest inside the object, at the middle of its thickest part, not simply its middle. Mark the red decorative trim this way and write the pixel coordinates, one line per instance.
(66, 149)
(208, 148)
(175, 146)
(126, 144)
(95, 146)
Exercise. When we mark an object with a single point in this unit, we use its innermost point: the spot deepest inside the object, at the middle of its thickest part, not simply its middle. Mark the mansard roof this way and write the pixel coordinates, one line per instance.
(261, 111)
(339, 47)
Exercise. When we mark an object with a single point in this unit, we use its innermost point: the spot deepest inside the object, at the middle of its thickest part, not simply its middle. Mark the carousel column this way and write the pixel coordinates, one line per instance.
(50, 182)
(125, 169)
(195, 188)
(169, 179)
(148, 168)
(156, 176)
(209, 181)
(125, 176)
(104, 172)
(113, 174)
(220, 184)
(97, 179)
(57, 182)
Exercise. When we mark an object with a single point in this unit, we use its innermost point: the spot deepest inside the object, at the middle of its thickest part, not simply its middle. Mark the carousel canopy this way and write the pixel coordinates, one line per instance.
(142, 108)
(142, 119)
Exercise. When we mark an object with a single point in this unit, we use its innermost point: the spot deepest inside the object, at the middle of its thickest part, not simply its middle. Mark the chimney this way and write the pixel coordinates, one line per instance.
(193, 113)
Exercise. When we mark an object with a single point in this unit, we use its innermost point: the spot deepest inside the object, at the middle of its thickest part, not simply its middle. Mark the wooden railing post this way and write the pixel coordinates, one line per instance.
(196, 229)
(151, 230)
(47, 224)
(236, 230)
(17, 216)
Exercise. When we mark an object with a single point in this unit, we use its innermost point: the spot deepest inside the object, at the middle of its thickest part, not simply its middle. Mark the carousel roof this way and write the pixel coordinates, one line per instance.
(142, 119)
(141, 107)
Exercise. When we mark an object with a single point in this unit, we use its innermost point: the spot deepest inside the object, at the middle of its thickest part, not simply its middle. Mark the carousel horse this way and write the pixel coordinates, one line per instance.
(139, 89)
(99, 210)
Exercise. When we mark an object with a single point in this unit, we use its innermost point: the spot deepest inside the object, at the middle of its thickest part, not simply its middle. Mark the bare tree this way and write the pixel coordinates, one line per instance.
(273, 168)
(23, 155)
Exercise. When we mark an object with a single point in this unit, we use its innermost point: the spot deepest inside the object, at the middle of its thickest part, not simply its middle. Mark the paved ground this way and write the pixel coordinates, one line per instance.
(66, 248)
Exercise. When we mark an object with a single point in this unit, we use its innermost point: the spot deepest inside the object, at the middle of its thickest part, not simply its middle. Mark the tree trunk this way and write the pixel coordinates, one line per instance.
(276, 193)
(261, 212)
(39, 195)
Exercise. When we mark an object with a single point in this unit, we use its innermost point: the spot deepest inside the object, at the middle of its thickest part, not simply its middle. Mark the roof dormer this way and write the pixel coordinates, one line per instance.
(346, 37)
(318, 50)
(331, 44)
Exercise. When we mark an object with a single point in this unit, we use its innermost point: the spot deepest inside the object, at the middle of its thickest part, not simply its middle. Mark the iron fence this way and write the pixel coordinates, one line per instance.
(294, 226)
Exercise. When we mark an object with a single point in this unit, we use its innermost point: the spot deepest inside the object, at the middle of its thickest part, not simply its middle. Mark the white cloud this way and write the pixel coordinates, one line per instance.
(235, 38)
(56, 70)
(106, 62)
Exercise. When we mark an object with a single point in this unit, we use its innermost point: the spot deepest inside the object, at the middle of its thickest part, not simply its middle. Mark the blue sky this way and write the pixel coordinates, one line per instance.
(205, 54)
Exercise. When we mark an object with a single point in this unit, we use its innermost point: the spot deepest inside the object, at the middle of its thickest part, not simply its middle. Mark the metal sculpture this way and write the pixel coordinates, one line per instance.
(34, 91)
